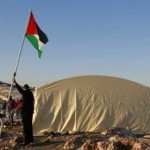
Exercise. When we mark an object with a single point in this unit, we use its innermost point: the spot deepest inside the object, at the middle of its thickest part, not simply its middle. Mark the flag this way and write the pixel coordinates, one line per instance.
(35, 35)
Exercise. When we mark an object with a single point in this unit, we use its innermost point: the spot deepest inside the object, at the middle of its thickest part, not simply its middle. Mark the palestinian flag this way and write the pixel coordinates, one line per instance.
(35, 35)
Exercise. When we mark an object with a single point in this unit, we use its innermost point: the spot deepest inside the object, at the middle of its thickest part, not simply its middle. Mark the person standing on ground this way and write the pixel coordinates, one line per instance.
(11, 108)
(4, 108)
(18, 108)
(27, 111)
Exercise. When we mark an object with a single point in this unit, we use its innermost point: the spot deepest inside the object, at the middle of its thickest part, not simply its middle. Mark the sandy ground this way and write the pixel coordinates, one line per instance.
(112, 139)
(50, 141)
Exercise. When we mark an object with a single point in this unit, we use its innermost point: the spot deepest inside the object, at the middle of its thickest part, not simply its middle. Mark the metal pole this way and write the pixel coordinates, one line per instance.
(19, 54)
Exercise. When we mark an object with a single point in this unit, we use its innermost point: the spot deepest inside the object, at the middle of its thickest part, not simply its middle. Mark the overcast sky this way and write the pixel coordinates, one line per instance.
(86, 37)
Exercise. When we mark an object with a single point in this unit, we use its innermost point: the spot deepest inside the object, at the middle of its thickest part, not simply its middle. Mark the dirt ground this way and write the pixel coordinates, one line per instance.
(50, 141)
(40, 142)
(113, 139)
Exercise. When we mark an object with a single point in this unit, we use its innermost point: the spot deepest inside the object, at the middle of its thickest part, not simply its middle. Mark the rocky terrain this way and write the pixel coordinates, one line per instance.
(111, 139)
(4, 91)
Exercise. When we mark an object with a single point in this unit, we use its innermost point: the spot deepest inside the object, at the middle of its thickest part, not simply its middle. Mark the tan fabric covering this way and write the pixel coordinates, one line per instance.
(91, 103)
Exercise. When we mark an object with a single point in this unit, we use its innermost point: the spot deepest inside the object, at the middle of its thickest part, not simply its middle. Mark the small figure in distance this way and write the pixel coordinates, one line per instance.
(11, 109)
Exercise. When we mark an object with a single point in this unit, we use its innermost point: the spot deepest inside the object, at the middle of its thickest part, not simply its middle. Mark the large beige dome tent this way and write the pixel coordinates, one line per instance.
(91, 103)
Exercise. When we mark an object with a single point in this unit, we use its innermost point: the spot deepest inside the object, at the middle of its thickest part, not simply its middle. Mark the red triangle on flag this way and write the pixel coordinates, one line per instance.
(32, 26)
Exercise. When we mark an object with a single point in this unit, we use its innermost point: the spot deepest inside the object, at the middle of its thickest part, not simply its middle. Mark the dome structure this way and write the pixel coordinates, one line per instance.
(91, 103)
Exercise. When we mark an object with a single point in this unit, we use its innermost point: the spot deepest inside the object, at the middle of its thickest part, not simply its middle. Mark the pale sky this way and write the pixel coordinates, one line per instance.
(86, 37)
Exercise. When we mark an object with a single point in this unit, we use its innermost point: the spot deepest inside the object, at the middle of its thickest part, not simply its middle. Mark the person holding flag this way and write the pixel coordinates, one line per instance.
(27, 111)
(38, 39)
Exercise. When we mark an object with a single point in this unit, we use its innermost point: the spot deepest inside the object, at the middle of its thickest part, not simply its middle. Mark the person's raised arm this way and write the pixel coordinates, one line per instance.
(19, 88)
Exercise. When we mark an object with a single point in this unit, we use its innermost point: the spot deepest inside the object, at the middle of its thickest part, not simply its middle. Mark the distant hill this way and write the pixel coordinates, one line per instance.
(4, 91)
(5, 84)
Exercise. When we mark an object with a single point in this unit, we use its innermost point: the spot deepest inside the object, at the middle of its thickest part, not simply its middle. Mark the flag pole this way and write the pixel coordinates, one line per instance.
(19, 54)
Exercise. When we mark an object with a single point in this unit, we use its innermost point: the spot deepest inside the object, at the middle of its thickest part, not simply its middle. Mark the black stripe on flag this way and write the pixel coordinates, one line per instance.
(42, 36)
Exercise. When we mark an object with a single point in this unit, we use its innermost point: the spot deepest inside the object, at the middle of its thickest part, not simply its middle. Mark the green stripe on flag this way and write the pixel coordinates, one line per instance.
(34, 41)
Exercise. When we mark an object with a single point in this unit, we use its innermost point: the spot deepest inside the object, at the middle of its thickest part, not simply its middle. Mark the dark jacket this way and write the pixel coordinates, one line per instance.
(27, 99)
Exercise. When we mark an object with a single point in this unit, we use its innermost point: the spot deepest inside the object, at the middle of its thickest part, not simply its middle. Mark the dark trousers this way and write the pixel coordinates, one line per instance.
(27, 127)
(11, 117)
